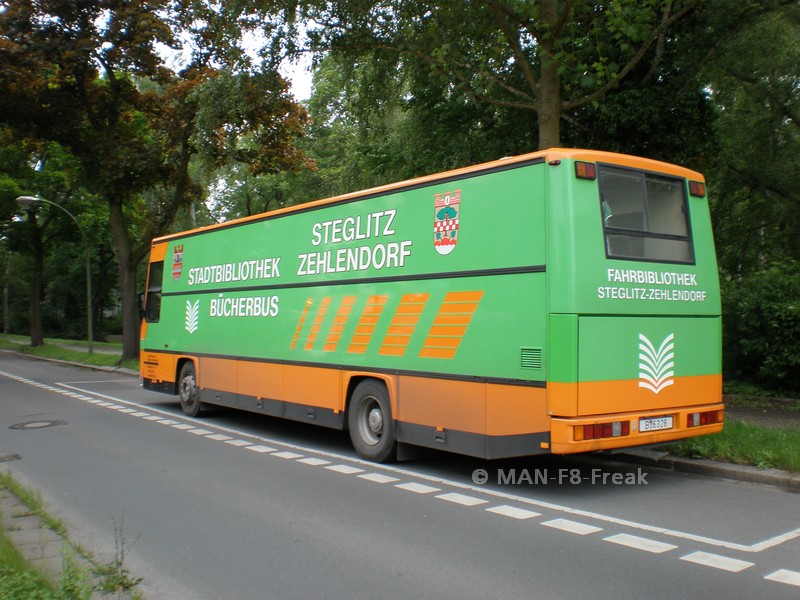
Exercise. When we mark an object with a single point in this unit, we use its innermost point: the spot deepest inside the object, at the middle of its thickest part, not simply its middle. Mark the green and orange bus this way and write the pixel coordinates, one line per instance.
(562, 301)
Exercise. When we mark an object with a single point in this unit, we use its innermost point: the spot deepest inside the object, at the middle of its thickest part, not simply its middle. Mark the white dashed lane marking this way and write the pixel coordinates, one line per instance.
(288, 455)
(785, 576)
(572, 526)
(418, 488)
(259, 448)
(200, 431)
(378, 478)
(344, 469)
(513, 512)
(314, 462)
(707, 559)
(640, 543)
(462, 499)
(239, 443)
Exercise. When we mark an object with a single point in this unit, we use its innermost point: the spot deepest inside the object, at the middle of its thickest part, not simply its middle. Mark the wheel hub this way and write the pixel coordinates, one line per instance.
(375, 420)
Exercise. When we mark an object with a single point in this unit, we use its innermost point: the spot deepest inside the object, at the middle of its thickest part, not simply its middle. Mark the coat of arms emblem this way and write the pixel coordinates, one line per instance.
(177, 262)
(445, 221)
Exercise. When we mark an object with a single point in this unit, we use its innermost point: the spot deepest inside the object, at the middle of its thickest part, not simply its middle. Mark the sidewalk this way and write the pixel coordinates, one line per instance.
(47, 551)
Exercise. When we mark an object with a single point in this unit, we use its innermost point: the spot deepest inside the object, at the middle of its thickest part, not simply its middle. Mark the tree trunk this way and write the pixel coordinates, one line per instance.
(6, 291)
(549, 96)
(127, 281)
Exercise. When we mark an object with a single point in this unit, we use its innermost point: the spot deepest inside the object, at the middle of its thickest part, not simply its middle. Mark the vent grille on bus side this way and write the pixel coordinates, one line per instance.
(531, 358)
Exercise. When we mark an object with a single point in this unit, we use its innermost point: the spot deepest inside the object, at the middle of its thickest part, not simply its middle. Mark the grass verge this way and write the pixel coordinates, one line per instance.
(18, 579)
(104, 355)
(746, 444)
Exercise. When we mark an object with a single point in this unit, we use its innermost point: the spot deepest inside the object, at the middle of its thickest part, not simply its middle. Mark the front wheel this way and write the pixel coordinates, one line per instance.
(187, 391)
(369, 419)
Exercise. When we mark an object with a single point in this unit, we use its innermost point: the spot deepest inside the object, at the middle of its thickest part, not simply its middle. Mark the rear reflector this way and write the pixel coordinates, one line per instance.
(585, 170)
(697, 188)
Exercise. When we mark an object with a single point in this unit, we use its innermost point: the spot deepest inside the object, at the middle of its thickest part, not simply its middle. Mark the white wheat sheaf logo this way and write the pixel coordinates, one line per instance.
(192, 316)
(656, 366)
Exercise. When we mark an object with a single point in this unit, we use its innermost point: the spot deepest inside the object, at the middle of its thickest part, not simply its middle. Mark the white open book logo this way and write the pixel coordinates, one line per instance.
(192, 321)
(656, 366)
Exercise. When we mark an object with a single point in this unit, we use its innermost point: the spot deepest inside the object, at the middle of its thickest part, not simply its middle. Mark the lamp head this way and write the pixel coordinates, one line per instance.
(26, 201)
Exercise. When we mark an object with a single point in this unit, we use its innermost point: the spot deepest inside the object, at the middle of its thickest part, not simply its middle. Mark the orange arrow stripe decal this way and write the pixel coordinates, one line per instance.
(450, 324)
(366, 324)
(403, 324)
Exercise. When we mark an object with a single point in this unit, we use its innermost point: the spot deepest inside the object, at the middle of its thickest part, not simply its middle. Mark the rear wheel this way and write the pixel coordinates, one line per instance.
(369, 419)
(187, 391)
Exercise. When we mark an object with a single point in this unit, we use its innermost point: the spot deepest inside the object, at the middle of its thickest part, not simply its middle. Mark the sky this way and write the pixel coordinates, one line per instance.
(299, 75)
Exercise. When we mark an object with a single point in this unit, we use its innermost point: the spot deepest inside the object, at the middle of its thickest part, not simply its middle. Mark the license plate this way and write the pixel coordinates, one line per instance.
(655, 424)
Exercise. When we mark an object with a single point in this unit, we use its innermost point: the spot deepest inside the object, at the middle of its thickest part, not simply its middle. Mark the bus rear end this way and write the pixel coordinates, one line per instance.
(634, 326)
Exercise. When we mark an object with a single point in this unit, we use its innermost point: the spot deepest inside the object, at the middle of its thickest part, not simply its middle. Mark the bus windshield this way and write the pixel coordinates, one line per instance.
(645, 216)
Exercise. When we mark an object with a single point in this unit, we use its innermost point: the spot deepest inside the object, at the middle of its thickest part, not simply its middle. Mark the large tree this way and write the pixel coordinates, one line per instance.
(88, 75)
(551, 58)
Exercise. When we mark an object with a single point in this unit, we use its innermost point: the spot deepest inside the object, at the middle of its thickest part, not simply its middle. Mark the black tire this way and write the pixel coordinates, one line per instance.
(370, 422)
(188, 392)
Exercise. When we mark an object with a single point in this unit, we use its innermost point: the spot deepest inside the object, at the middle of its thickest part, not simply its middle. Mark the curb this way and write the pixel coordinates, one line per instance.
(711, 468)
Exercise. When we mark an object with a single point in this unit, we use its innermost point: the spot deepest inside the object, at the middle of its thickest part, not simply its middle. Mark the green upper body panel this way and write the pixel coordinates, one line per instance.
(477, 274)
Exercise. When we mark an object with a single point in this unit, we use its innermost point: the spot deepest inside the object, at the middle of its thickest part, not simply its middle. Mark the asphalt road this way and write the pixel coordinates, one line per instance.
(236, 506)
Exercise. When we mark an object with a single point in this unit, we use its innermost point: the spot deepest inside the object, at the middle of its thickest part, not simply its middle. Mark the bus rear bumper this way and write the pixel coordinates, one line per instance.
(607, 432)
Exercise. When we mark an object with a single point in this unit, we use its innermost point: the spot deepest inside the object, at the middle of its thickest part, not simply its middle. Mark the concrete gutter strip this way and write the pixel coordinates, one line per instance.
(711, 468)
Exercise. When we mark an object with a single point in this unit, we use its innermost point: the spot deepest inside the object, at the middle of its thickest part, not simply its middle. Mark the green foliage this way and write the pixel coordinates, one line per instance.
(746, 444)
(105, 355)
(18, 581)
(25, 584)
(755, 197)
(761, 327)
(115, 578)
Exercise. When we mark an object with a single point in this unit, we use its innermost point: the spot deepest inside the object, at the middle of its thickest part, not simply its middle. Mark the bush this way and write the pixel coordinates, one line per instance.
(761, 328)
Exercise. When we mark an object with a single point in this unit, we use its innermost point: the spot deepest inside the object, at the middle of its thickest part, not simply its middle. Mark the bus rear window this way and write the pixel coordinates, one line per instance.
(645, 216)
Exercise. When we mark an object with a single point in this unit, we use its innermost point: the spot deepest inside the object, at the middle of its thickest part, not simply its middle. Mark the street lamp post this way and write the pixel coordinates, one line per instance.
(27, 202)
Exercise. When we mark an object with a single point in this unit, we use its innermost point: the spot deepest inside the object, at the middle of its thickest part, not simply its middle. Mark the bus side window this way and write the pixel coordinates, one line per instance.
(152, 309)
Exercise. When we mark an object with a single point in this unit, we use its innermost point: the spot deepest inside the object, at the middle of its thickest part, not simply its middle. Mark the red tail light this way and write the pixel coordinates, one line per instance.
(710, 417)
(602, 430)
